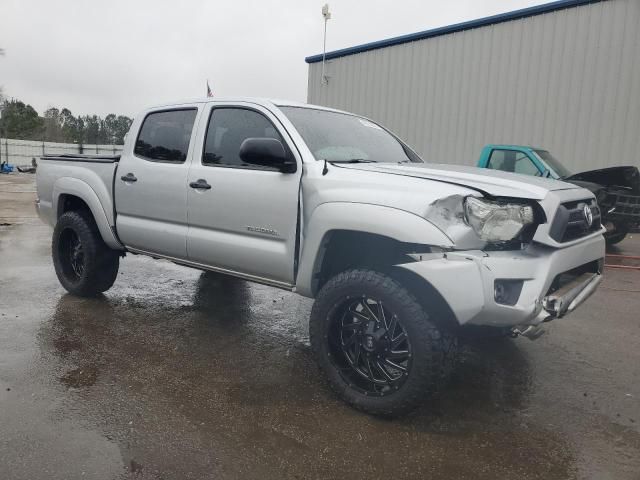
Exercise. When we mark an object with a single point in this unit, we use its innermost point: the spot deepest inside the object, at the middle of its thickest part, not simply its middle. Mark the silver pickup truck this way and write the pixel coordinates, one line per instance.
(401, 256)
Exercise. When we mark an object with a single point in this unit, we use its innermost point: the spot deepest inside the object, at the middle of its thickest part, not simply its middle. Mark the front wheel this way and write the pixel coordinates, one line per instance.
(84, 264)
(375, 343)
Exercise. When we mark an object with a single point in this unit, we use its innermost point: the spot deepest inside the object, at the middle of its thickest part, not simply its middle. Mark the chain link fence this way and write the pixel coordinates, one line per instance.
(21, 152)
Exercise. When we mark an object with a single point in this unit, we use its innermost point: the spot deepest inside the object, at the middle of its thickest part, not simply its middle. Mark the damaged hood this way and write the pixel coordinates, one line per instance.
(625, 177)
(492, 182)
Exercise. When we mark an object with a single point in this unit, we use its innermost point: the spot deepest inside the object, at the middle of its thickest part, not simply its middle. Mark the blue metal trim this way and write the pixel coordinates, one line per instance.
(458, 27)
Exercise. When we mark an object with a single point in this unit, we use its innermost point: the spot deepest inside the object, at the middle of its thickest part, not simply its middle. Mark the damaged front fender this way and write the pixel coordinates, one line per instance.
(448, 215)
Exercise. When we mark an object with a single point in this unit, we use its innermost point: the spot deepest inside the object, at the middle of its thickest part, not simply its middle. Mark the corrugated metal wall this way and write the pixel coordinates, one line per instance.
(567, 80)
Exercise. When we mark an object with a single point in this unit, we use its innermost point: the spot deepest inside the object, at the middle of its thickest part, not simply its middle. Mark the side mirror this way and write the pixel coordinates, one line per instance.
(267, 152)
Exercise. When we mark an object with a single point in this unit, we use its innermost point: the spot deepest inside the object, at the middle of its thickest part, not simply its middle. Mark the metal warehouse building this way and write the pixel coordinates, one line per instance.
(564, 76)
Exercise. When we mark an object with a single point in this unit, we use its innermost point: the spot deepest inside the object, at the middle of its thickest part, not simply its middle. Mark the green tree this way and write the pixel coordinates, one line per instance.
(92, 125)
(21, 121)
(110, 127)
(122, 125)
(72, 127)
(53, 125)
(103, 136)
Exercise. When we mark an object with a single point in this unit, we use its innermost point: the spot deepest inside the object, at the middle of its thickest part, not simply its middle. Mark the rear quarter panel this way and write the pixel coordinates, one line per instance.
(90, 181)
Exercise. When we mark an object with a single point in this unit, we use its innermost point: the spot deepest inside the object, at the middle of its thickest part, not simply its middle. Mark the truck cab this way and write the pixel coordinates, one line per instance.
(522, 159)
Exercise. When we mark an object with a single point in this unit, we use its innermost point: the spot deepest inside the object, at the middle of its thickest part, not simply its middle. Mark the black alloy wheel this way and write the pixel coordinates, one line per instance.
(370, 346)
(376, 343)
(84, 264)
(71, 249)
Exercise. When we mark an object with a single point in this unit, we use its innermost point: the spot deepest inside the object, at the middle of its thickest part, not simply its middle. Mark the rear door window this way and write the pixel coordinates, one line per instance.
(165, 136)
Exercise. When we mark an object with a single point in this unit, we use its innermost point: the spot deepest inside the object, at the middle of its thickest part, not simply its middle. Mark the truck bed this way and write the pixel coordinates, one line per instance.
(89, 177)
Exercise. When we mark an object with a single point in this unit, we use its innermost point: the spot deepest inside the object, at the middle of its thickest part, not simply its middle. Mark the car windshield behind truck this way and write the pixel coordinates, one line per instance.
(339, 137)
(553, 163)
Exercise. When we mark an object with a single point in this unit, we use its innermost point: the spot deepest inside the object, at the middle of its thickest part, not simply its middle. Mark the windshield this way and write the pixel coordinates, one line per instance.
(555, 164)
(341, 137)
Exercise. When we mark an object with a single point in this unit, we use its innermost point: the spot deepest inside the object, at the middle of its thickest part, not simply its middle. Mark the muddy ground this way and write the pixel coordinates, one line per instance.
(176, 374)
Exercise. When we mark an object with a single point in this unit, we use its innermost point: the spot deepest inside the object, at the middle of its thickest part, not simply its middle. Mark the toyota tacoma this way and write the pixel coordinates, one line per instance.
(401, 256)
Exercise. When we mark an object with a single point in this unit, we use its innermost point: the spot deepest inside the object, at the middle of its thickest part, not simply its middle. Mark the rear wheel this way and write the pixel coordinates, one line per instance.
(84, 264)
(375, 343)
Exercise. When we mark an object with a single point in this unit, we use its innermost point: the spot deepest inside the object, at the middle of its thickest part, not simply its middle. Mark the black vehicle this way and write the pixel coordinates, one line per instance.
(617, 190)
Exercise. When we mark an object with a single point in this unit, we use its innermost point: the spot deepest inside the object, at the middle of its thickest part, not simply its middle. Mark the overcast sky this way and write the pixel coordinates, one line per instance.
(103, 56)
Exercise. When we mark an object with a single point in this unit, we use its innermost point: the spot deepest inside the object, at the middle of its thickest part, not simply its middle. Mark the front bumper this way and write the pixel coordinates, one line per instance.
(466, 281)
(571, 295)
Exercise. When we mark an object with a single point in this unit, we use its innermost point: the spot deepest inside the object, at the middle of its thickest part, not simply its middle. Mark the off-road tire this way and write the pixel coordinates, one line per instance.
(99, 262)
(612, 239)
(431, 350)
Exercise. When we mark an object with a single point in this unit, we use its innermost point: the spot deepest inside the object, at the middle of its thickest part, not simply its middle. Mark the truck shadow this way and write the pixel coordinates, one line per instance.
(491, 379)
(235, 360)
(222, 299)
(229, 321)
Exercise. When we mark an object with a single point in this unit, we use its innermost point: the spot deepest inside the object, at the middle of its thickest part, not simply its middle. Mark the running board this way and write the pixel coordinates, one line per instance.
(201, 266)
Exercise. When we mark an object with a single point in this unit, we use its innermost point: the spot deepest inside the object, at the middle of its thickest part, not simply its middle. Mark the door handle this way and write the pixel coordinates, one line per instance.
(201, 184)
(129, 177)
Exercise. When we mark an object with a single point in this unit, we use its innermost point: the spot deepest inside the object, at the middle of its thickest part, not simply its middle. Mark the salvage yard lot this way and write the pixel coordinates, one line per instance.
(176, 373)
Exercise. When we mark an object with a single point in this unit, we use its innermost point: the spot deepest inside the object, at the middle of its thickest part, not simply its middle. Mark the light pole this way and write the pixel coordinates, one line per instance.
(327, 15)
(1, 130)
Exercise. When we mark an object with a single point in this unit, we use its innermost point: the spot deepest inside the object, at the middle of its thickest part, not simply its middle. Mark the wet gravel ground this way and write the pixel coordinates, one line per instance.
(178, 374)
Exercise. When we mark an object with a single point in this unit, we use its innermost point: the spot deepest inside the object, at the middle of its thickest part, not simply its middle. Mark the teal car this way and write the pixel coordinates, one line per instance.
(617, 189)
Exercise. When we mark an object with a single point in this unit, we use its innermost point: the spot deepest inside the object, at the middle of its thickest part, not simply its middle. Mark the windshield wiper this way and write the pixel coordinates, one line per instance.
(353, 160)
(325, 170)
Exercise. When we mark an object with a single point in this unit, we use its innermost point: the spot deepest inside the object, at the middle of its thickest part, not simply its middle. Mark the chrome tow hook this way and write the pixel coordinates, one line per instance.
(532, 332)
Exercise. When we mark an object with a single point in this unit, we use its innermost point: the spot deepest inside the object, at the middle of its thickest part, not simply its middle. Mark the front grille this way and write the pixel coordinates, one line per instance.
(570, 221)
(627, 205)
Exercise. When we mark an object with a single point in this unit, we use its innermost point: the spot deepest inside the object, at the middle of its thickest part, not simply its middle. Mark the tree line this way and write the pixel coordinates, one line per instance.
(21, 121)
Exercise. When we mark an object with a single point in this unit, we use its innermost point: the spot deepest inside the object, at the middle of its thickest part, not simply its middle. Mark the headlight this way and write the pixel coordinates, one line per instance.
(497, 222)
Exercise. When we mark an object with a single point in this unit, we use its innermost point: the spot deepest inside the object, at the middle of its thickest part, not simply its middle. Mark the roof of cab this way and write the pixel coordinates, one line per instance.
(265, 102)
(504, 145)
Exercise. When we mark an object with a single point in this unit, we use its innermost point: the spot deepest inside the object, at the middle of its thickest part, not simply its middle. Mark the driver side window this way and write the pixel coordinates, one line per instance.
(228, 128)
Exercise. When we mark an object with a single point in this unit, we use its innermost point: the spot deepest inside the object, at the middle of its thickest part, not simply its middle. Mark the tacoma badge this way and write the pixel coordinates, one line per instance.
(268, 231)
